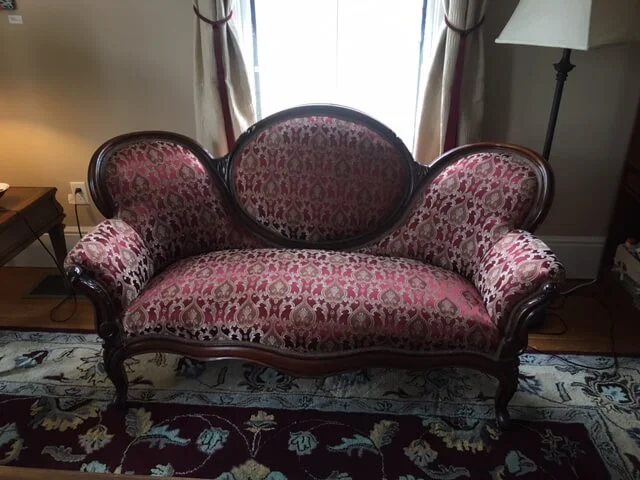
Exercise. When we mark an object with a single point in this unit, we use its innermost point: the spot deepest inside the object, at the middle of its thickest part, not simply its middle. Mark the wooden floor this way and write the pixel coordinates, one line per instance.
(21, 473)
(588, 315)
(18, 311)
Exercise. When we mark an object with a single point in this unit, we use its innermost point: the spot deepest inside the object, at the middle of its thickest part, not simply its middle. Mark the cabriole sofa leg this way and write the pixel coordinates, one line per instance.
(507, 386)
(114, 367)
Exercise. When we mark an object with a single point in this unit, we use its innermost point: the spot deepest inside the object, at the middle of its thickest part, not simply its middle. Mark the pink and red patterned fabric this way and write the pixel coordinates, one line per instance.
(314, 301)
(445, 279)
(116, 256)
(514, 268)
(320, 178)
(464, 211)
(163, 191)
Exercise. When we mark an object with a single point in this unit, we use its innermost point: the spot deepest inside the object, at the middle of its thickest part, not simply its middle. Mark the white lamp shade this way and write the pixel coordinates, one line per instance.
(575, 24)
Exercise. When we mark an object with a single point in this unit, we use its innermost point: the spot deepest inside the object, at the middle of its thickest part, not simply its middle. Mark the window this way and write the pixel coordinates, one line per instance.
(365, 54)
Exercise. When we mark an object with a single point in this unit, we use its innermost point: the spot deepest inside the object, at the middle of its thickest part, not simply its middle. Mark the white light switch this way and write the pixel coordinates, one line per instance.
(15, 19)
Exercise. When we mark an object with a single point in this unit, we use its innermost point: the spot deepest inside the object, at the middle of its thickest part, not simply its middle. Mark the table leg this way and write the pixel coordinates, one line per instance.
(56, 234)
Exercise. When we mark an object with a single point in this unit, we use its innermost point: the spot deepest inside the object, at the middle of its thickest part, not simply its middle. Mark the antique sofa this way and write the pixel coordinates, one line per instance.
(317, 246)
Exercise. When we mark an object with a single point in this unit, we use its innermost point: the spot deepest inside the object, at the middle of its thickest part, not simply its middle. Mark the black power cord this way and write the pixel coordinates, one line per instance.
(71, 295)
(614, 364)
(564, 329)
(75, 208)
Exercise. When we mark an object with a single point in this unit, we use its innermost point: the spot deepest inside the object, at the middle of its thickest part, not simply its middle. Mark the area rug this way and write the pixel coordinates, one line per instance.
(236, 421)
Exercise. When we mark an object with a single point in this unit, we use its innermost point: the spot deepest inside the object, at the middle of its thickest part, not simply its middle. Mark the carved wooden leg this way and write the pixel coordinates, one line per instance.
(114, 367)
(507, 386)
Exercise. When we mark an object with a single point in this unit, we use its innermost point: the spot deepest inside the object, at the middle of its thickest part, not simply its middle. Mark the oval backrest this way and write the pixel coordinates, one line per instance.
(320, 175)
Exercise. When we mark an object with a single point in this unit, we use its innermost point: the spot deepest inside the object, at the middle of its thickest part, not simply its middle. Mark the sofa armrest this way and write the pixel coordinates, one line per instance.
(117, 258)
(514, 269)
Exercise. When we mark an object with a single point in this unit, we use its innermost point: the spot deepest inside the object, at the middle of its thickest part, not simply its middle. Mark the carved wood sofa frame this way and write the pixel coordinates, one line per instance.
(503, 365)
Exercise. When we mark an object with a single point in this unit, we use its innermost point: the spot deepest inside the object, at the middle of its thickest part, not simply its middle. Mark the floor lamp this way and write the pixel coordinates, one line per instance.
(570, 25)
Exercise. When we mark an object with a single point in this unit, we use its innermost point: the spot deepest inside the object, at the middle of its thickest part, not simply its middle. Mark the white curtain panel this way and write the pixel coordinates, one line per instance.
(223, 110)
(463, 15)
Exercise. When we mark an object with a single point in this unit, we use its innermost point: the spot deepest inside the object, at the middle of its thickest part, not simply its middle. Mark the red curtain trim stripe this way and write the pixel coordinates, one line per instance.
(453, 123)
(223, 92)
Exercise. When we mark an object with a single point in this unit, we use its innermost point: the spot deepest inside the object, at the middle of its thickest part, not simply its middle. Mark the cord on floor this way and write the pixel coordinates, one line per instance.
(578, 287)
(71, 295)
(558, 333)
(614, 363)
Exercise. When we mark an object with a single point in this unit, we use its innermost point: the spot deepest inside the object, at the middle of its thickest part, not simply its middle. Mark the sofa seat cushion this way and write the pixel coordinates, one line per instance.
(314, 301)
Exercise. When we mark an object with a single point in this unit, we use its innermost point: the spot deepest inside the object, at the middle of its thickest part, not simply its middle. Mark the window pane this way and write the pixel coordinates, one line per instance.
(378, 56)
(296, 52)
(360, 53)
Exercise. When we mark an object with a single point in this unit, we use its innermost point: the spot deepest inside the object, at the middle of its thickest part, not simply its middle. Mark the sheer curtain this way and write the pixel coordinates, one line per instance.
(224, 104)
(353, 52)
(453, 101)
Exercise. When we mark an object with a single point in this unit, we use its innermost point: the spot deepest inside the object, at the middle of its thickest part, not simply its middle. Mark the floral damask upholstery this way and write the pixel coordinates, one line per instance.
(163, 190)
(200, 248)
(316, 246)
(464, 211)
(514, 267)
(118, 257)
(319, 178)
(314, 301)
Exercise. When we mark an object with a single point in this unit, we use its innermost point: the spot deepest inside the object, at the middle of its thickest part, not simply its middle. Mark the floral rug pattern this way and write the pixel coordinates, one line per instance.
(232, 420)
(7, 4)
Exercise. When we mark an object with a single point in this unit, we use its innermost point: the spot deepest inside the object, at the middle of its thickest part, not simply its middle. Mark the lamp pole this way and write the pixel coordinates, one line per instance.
(563, 67)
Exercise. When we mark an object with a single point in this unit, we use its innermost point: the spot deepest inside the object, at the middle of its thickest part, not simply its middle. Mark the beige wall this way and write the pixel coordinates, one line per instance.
(596, 116)
(80, 71)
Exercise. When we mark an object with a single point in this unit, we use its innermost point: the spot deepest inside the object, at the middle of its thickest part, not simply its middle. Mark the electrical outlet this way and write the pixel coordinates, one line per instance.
(80, 198)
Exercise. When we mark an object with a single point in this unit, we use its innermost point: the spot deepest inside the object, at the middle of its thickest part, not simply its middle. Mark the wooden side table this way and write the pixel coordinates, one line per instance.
(25, 211)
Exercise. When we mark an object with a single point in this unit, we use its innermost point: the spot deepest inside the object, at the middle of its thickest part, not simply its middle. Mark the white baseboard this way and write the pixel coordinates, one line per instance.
(580, 255)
